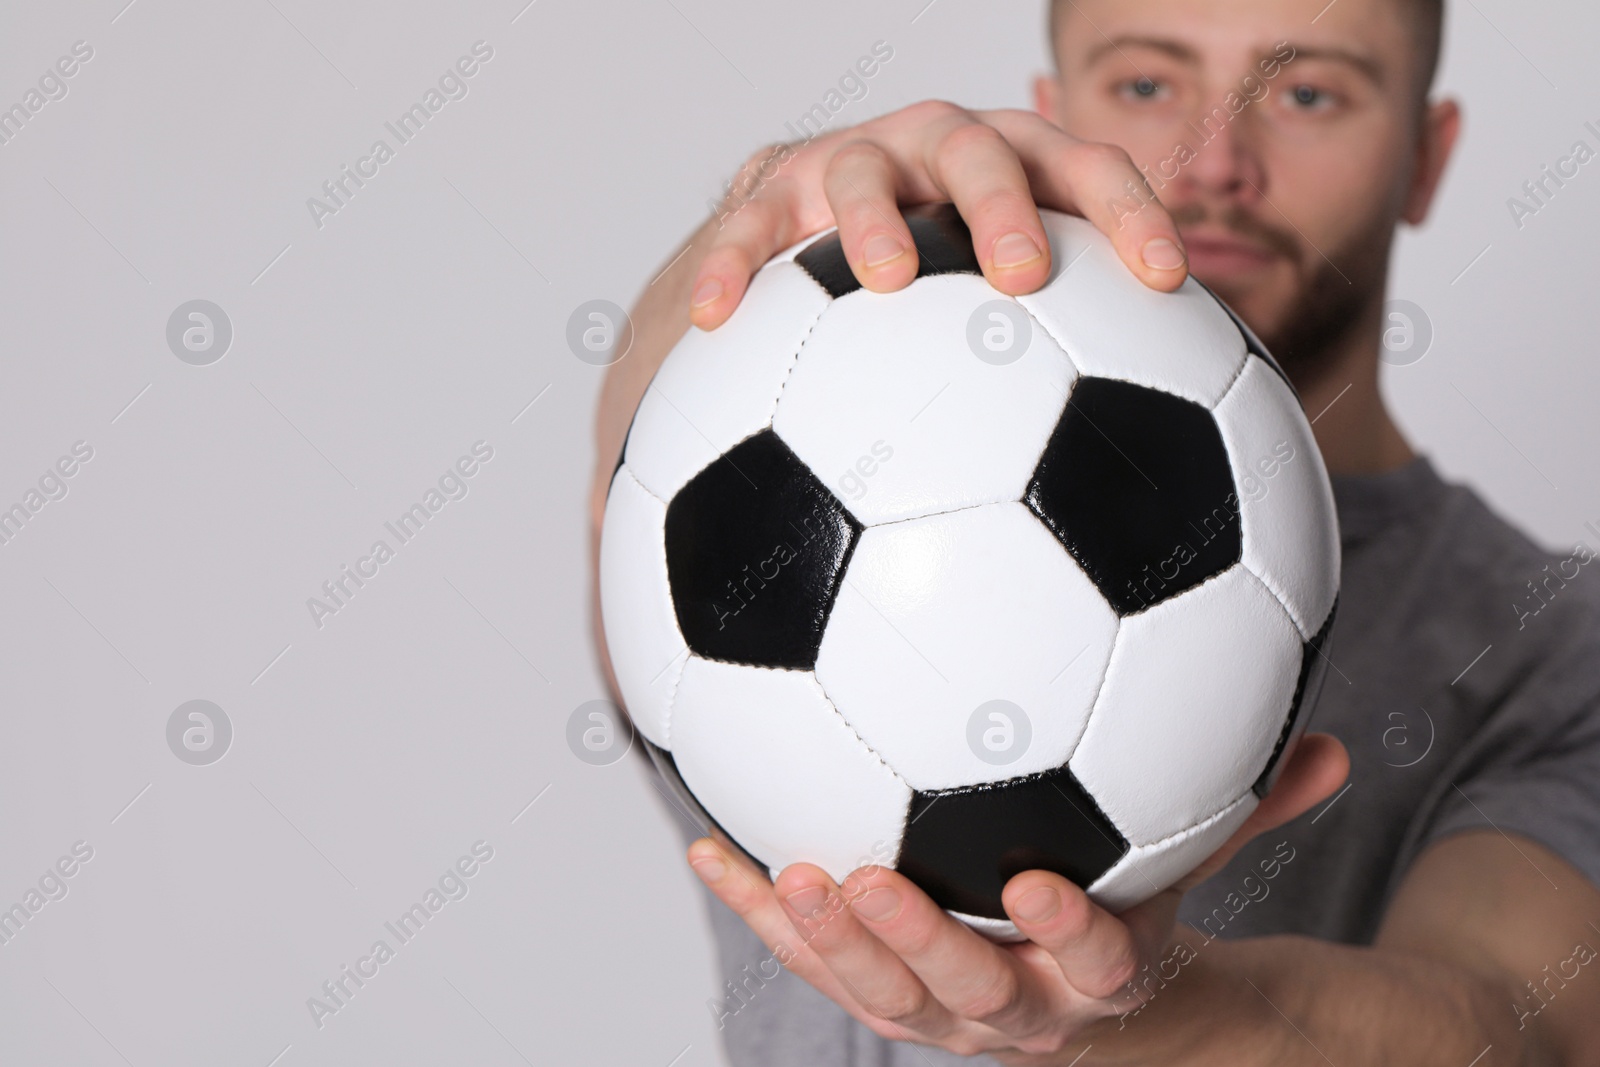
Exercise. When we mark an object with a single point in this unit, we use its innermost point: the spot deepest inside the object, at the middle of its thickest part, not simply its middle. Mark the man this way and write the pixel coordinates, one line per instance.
(1441, 906)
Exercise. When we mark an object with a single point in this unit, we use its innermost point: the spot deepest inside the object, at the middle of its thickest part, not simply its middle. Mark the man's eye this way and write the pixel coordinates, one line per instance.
(1310, 98)
(1142, 89)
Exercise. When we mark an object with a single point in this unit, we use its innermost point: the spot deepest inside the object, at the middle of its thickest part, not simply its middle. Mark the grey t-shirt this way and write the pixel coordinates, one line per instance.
(1466, 685)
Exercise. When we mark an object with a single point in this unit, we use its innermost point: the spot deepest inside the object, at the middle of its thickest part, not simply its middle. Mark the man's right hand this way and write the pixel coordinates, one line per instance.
(994, 165)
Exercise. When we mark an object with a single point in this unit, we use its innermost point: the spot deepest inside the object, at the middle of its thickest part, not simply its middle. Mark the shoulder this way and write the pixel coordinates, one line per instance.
(1442, 590)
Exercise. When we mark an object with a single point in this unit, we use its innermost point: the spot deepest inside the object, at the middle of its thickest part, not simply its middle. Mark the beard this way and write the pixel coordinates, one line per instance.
(1338, 289)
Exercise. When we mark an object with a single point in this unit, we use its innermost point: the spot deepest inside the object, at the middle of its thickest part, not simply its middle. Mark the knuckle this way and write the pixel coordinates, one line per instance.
(1046, 1044)
(993, 999)
(761, 156)
(964, 1045)
(756, 217)
(1123, 969)
(1074, 922)
(855, 152)
(1004, 208)
(885, 1029)
(916, 938)
(902, 1007)
(1101, 154)
(736, 261)
(1119, 973)
(933, 110)
(964, 138)
(1017, 113)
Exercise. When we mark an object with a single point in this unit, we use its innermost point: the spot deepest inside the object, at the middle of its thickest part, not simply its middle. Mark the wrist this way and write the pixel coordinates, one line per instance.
(1202, 1001)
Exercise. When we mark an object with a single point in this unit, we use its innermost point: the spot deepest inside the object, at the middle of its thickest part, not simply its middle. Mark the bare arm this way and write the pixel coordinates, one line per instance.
(1446, 982)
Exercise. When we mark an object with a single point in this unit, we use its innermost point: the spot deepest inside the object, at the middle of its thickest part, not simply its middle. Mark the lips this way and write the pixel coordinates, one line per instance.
(1223, 254)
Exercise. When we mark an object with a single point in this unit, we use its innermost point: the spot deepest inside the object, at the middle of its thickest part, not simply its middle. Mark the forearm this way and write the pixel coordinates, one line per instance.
(1287, 1001)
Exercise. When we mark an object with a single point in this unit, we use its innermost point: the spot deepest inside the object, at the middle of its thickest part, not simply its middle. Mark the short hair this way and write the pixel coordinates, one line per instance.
(1427, 18)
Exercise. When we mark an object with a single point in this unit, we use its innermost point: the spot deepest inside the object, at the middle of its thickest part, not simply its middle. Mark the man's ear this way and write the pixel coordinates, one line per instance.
(1046, 96)
(1441, 126)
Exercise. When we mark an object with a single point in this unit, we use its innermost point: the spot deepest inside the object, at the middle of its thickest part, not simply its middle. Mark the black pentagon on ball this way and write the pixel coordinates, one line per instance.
(944, 246)
(756, 549)
(687, 805)
(1313, 669)
(962, 845)
(1136, 484)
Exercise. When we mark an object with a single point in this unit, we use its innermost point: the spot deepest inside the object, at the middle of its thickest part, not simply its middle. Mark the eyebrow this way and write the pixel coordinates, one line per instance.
(1177, 50)
(1360, 62)
(1363, 64)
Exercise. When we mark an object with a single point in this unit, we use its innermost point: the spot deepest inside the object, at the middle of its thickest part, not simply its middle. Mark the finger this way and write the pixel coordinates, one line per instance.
(878, 978)
(1316, 766)
(746, 890)
(750, 234)
(1097, 953)
(969, 974)
(1101, 183)
(860, 185)
(978, 170)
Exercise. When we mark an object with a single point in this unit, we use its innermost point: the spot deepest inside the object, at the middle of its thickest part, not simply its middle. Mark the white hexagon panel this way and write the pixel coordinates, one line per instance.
(720, 386)
(1114, 326)
(1191, 710)
(966, 647)
(881, 405)
(647, 651)
(1291, 532)
(1148, 869)
(776, 765)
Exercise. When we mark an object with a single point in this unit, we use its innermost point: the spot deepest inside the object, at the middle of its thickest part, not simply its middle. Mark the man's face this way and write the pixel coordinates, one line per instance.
(1283, 146)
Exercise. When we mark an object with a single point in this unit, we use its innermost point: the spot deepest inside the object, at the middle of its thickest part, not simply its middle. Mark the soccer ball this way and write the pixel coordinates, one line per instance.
(966, 584)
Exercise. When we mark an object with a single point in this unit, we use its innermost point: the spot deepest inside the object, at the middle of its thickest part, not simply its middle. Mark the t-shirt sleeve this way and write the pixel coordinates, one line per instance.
(1534, 769)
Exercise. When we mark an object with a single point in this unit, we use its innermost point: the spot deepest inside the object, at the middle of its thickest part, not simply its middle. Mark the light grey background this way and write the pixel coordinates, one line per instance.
(368, 355)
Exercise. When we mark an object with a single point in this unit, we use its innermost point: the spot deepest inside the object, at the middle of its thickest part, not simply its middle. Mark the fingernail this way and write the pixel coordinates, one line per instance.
(1014, 250)
(1162, 254)
(706, 292)
(808, 900)
(710, 869)
(879, 905)
(1038, 904)
(882, 248)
